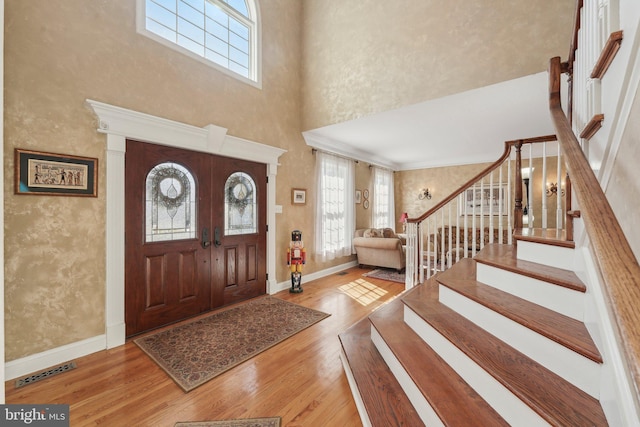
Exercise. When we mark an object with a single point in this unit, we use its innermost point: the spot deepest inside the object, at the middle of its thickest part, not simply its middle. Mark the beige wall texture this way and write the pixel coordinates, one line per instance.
(445, 180)
(368, 56)
(58, 54)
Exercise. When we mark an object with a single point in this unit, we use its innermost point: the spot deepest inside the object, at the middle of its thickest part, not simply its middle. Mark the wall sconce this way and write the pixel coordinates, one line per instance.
(424, 194)
(552, 189)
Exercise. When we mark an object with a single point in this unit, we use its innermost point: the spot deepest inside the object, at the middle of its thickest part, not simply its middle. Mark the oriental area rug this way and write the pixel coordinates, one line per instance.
(193, 353)
(390, 274)
(248, 422)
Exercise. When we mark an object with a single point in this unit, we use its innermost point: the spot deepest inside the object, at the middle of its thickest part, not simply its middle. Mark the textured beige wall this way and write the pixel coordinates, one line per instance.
(57, 54)
(440, 181)
(368, 56)
(444, 181)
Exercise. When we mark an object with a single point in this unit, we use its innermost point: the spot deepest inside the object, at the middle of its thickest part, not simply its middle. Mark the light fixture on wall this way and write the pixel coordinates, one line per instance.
(552, 189)
(424, 194)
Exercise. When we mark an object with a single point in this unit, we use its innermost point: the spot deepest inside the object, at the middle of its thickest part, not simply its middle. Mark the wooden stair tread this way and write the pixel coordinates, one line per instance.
(562, 329)
(385, 401)
(504, 257)
(454, 401)
(548, 236)
(556, 400)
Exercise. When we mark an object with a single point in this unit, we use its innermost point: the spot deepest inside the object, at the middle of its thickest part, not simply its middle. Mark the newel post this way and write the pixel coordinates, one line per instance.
(517, 210)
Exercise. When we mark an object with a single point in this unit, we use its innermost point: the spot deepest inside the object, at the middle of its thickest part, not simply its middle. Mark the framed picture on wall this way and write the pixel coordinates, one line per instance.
(358, 197)
(485, 200)
(298, 196)
(39, 173)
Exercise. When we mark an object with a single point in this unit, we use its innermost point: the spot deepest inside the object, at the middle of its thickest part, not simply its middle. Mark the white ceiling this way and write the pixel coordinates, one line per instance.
(468, 127)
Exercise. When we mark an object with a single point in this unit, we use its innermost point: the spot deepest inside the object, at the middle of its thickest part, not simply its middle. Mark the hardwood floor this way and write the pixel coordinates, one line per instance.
(301, 379)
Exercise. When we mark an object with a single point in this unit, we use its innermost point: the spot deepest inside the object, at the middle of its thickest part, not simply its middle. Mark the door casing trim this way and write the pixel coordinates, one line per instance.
(119, 124)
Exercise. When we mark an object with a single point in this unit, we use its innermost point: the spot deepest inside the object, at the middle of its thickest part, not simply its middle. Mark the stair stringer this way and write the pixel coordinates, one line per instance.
(616, 391)
(353, 385)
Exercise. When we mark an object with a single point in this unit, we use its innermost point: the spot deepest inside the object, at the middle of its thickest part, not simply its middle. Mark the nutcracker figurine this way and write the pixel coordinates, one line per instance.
(296, 258)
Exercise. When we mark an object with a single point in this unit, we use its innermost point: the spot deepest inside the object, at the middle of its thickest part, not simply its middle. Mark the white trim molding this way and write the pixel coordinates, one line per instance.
(119, 124)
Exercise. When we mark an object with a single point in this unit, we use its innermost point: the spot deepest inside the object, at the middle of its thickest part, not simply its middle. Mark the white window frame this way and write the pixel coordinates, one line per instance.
(383, 208)
(255, 42)
(334, 230)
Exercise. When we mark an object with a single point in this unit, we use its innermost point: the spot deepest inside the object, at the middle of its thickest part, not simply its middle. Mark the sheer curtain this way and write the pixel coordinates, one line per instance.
(384, 211)
(335, 207)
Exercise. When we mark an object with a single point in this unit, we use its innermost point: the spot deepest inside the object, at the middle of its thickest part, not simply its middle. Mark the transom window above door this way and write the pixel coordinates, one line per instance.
(220, 33)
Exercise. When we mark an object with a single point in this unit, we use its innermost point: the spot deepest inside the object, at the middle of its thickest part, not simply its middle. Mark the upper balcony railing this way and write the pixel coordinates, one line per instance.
(526, 187)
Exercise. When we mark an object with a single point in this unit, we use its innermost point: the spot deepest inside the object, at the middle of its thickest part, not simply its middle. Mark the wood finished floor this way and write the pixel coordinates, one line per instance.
(301, 379)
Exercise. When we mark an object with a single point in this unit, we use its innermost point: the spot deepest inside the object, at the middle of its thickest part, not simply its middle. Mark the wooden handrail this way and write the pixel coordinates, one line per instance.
(613, 255)
(483, 173)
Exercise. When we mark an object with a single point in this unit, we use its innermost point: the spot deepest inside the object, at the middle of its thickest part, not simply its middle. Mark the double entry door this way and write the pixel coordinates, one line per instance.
(195, 233)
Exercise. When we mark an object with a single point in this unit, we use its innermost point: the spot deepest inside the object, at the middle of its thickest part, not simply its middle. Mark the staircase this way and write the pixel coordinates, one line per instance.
(494, 340)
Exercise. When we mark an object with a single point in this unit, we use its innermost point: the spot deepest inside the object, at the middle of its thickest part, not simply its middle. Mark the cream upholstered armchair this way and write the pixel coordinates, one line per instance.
(380, 248)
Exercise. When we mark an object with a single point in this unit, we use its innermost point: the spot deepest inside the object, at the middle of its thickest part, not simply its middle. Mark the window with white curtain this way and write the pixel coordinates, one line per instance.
(335, 211)
(383, 209)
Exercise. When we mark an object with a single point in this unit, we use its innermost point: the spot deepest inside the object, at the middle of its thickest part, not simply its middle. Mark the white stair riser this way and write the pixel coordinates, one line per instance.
(573, 367)
(512, 409)
(557, 298)
(553, 256)
(421, 405)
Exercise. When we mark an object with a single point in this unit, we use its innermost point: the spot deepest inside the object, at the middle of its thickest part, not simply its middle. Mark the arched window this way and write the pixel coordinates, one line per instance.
(221, 33)
(240, 205)
(170, 203)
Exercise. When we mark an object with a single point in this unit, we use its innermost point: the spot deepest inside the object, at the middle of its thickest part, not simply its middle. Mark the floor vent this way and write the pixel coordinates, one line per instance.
(342, 273)
(45, 374)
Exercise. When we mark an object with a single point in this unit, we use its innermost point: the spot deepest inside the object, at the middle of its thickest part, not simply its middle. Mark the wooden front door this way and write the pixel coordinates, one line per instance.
(195, 229)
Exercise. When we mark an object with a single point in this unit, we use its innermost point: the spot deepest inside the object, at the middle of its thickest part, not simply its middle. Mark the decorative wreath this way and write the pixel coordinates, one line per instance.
(239, 192)
(168, 198)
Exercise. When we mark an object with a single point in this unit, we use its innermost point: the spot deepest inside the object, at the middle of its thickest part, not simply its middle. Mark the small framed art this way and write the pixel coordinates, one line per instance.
(298, 196)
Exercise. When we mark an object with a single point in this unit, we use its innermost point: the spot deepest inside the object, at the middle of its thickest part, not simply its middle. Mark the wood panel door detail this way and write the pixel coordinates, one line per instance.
(189, 249)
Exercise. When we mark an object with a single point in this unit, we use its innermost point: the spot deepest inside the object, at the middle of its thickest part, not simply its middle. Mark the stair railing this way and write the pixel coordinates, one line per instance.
(487, 208)
(614, 258)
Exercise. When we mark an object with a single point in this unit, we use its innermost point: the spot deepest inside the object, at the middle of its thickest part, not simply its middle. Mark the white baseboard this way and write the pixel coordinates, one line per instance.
(40, 361)
(115, 336)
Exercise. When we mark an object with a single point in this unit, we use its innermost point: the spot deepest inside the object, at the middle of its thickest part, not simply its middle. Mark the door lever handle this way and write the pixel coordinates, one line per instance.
(216, 237)
(205, 238)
